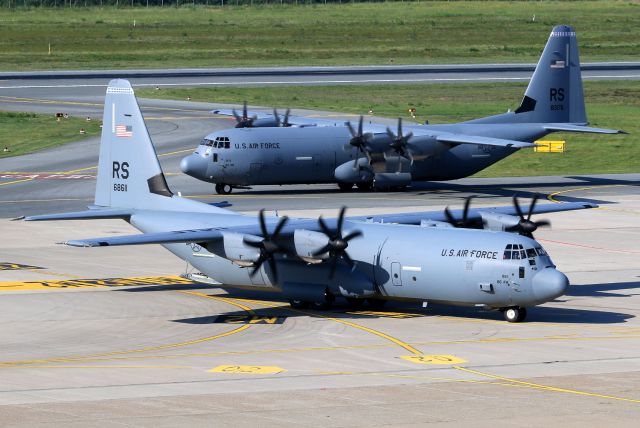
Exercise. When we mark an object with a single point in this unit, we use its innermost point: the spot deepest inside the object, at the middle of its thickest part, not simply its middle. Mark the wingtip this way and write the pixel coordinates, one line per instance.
(19, 218)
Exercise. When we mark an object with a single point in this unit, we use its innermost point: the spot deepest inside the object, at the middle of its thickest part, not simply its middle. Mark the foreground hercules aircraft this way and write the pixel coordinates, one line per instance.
(268, 149)
(477, 257)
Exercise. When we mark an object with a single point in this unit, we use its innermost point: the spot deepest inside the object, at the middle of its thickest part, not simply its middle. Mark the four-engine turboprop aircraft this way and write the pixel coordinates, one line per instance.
(266, 149)
(484, 257)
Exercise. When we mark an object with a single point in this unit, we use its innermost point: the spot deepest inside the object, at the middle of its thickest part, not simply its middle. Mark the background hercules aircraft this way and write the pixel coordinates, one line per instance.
(268, 149)
(484, 257)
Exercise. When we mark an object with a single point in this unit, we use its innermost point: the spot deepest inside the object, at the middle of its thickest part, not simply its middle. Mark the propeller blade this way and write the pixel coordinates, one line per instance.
(274, 270)
(257, 267)
(244, 110)
(516, 205)
(263, 224)
(532, 206)
(450, 219)
(324, 227)
(399, 127)
(322, 250)
(286, 118)
(236, 115)
(280, 225)
(351, 130)
(349, 260)
(360, 125)
(465, 213)
(252, 244)
(354, 234)
(276, 116)
(340, 220)
(391, 134)
(542, 223)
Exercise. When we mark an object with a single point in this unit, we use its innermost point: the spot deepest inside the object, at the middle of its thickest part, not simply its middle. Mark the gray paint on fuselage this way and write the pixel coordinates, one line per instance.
(423, 274)
(311, 154)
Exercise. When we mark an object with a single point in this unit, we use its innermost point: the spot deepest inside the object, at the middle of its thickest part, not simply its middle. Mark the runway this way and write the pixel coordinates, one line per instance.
(104, 336)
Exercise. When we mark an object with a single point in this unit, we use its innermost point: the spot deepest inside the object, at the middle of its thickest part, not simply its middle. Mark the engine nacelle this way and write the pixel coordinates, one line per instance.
(265, 122)
(308, 242)
(498, 222)
(232, 247)
(361, 174)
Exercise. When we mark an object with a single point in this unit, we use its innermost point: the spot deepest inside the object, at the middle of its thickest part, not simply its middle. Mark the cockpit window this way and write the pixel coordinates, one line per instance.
(517, 252)
(531, 252)
(222, 143)
(541, 251)
(207, 142)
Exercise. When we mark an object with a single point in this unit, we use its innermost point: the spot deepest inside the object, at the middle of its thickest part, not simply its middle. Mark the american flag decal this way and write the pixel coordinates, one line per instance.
(557, 64)
(124, 131)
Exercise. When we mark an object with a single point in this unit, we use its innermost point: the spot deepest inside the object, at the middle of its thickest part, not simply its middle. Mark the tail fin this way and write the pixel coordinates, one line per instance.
(555, 94)
(129, 174)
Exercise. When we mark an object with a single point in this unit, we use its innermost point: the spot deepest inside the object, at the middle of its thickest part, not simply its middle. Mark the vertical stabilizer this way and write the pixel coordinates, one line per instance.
(554, 94)
(129, 173)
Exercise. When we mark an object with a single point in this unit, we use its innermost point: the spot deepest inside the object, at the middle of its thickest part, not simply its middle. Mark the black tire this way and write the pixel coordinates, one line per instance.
(223, 189)
(298, 304)
(376, 303)
(324, 304)
(345, 187)
(514, 314)
(365, 187)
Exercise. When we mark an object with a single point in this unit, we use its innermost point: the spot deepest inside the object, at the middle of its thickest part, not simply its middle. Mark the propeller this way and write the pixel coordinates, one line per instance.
(400, 144)
(525, 226)
(464, 221)
(282, 123)
(268, 246)
(244, 121)
(337, 245)
(359, 140)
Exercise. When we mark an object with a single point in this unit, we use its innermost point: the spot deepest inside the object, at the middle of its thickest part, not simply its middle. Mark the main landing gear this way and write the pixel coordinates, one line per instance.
(321, 305)
(223, 189)
(514, 313)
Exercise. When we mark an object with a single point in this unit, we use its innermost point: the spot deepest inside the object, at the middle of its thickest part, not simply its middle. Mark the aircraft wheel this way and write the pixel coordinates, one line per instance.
(345, 187)
(514, 314)
(223, 189)
(365, 187)
(354, 302)
(298, 304)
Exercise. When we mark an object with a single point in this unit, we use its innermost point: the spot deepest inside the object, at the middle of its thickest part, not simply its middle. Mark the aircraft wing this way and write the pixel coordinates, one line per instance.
(214, 234)
(474, 213)
(299, 121)
(481, 141)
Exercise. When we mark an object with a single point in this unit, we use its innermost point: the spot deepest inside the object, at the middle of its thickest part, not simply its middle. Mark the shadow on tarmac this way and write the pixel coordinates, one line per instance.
(403, 310)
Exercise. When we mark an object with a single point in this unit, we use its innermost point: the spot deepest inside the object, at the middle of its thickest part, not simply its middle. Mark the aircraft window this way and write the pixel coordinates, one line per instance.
(507, 255)
(521, 272)
(519, 246)
(515, 255)
(509, 246)
(207, 142)
(531, 252)
(532, 262)
(541, 251)
(523, 255)
(227, 144)
(215, 157)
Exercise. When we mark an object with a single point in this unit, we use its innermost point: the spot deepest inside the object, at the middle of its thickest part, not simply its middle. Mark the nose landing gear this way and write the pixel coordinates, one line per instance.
(514, 313)
(223, 189)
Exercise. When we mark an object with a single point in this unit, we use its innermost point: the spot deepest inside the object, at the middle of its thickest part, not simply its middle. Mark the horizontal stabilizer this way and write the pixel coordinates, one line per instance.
(93, 214)
(483, 141)
(580, 128)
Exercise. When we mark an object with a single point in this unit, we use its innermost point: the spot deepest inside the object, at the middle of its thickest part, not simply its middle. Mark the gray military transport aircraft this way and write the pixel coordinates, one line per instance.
(484, 257)
(268, 149)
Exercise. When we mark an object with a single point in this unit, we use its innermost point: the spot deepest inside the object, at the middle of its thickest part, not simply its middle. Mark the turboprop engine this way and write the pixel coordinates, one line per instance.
(361, 173)
(308, 243)
(233, 247)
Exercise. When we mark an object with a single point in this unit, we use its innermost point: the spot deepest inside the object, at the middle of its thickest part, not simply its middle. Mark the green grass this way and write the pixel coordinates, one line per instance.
(28, 132)
(610, 104)
(364, 33)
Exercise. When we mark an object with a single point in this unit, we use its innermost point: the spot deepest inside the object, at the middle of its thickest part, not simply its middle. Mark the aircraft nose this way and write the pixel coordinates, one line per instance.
(193, 165)
(549, 283)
